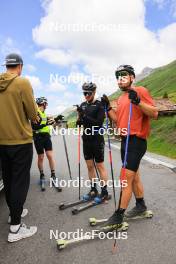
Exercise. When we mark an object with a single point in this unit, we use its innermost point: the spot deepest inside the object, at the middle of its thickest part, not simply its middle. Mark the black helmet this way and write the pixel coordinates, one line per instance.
(41, 100)
(13, 59)
(127, 68)
(89, 86)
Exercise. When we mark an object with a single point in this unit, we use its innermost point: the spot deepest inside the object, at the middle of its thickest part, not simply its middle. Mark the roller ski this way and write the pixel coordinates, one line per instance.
(55, 182)
(85, 199)
(97, 201)
(146, 214)
(62, 244)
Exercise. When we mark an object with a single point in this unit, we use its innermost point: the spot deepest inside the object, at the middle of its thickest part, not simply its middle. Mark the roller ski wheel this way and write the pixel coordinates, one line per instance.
(62, 206)
(75, 211)
(61, 244)
(92, 221)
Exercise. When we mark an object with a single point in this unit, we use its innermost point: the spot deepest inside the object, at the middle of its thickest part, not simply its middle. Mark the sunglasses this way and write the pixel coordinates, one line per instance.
(122, 74)
(87, 93)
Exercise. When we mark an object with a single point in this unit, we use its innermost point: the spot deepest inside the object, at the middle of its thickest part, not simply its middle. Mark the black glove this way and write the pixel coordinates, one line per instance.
(59, 118)
(50, 122)
(80, 110)
(106, 103)
(133, 96)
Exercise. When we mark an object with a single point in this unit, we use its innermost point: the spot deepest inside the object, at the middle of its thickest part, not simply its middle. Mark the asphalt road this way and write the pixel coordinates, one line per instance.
(149, 241)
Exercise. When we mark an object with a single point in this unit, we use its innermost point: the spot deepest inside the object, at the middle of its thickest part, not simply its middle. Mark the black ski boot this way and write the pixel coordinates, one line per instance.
(56, 182)
(114, 222)
(91, 195)
(104, 196)
(42, 182)
(138, 210)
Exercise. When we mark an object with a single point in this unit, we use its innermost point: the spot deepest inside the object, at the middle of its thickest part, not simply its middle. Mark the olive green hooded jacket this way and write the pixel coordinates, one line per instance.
(17, 108)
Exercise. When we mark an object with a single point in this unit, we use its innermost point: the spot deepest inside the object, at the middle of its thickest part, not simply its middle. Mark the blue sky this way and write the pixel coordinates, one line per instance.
(19, 18)
(158, 17)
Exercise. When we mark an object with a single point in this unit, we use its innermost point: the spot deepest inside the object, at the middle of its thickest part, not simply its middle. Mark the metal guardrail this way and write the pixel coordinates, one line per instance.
(167, 112)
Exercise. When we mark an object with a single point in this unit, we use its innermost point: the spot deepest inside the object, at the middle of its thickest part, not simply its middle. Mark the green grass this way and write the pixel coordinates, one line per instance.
(163, 136)
(162, 80)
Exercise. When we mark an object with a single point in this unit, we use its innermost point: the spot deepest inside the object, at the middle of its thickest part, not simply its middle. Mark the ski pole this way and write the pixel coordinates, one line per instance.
(126, 153)
(124, 163)
(66, 152)
(79, 155)
(110, 157)
(79, 158)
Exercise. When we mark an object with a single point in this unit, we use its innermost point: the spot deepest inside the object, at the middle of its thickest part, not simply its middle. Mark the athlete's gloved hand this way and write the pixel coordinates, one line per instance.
(50, 122)
(105, 101)
(133, 96)
(80, 110)
(59, 118)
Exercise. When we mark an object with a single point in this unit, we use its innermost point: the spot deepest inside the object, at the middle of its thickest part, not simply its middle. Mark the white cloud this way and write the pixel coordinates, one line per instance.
(56, 56)
(99, 52)
(8, 45)
(55, 87)
(58, 97)
(35, 82)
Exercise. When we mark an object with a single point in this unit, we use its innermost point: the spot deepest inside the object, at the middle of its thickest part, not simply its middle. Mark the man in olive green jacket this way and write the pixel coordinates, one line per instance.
(18, 108)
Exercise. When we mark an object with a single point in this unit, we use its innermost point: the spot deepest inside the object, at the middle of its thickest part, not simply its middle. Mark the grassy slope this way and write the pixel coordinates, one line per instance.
(163, 134)
(162, 80)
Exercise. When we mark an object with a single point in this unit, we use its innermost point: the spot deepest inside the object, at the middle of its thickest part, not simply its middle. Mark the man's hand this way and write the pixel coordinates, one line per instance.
(50, 122)
(37, 120)
(59, 118)
(106, 103)
(133, 96)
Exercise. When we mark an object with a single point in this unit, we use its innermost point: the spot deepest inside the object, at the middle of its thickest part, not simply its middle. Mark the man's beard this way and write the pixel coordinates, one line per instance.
(124, 89)
(127, 88)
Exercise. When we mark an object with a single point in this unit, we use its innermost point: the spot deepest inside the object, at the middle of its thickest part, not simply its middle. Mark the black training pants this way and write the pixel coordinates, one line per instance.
(16, 165)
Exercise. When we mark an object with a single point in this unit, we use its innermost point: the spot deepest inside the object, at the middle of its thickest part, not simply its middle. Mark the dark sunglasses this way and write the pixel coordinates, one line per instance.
(87, 93)
(121, 74)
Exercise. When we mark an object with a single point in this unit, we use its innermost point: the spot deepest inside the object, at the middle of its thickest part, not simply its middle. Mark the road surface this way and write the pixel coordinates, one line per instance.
(149, 241)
